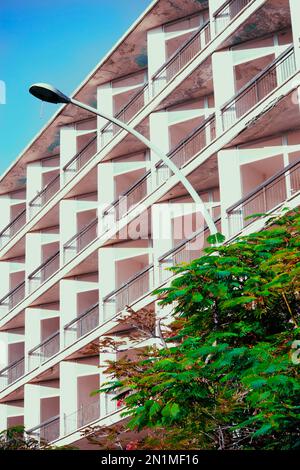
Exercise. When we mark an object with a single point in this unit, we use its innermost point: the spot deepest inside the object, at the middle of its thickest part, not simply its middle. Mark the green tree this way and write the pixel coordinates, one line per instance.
(226, 379)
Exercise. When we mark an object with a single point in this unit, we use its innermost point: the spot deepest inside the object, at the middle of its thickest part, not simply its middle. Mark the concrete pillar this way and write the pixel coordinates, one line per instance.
(224, 80)
(295, 19)
(230, 183)
(5, 203)
(162, 238)
(33, 185)
(156, 57)
(105, 104)
(32, 407)
(107, 261)
(159, 135)
(68, 148)
(106, 194)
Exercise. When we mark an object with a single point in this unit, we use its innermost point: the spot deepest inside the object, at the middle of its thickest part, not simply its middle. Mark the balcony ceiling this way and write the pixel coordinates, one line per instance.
(199, 83)
(129, 56)
(273, 16)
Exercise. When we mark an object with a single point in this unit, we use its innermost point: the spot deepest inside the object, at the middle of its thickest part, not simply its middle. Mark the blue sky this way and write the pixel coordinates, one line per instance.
(55, 41)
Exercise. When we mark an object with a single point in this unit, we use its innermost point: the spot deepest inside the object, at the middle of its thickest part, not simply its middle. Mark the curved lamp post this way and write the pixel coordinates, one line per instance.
(46, 92)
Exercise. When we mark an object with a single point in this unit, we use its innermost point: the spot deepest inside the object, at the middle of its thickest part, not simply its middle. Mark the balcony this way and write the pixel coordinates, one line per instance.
(181, 58)
(13, 298)
(81, 239)
(43, 351)
(266, 197)
(139, 285)
(47, 431)
(12, 228)
(280, 70)
(11, 373)
(44, 271)
(126, 114)
(44, 195)
(224, 15)
(129, 199)
(81, 158)
(188, 148)
(82, 324)
(85, 415)
(185, 252)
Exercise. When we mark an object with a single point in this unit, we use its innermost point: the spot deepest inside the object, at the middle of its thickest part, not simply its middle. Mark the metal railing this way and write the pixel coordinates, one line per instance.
(82, 157)
(129, 199)
(257, 89)
(82, 238)
(189, 147)
(44, 271)
(14, 297)
(44, 195)
(12, 372)
(83, 324)
(43, 351)
(136, 103)
(139, 285)
(181, 58)
(47, 431)
(12, 228)
(273, 192)
(226, 13)
(185, 252)
(85, 415)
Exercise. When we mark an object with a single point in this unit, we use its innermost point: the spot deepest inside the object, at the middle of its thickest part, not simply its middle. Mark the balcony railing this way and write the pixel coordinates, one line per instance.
(44, 271)
(139, 285)
(12, 228)
(82, 157)
(81, 239)
(129, 199)
(82, 324)
(136, 103)
(47, 431)
(265, 197)
(44, 195)
(85, 415)
(181, 58)
(261, 86)
(185, 252)
(43, 351)
(228, 12)
(14, 297)
(189, 147)
(12, 372)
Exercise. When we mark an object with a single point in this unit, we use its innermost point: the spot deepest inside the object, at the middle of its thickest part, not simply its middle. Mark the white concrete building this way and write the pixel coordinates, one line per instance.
(90, 217)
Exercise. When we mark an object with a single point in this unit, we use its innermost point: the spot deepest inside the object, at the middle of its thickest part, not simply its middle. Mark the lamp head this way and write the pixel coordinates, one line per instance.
(46, 92)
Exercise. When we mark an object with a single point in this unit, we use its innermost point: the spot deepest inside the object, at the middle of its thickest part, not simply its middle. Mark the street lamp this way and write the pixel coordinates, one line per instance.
(50, 94)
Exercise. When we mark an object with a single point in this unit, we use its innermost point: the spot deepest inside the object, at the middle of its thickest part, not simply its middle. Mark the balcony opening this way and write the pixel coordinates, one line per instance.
(254, 174)
(88, 406)
(15, 352)
(49, 326)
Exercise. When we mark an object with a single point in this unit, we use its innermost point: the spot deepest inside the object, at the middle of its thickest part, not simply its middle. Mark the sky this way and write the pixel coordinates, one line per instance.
(54, 41)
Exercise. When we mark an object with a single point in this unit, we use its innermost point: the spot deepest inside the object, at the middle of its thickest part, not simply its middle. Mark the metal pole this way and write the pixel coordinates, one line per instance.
(169, 163)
